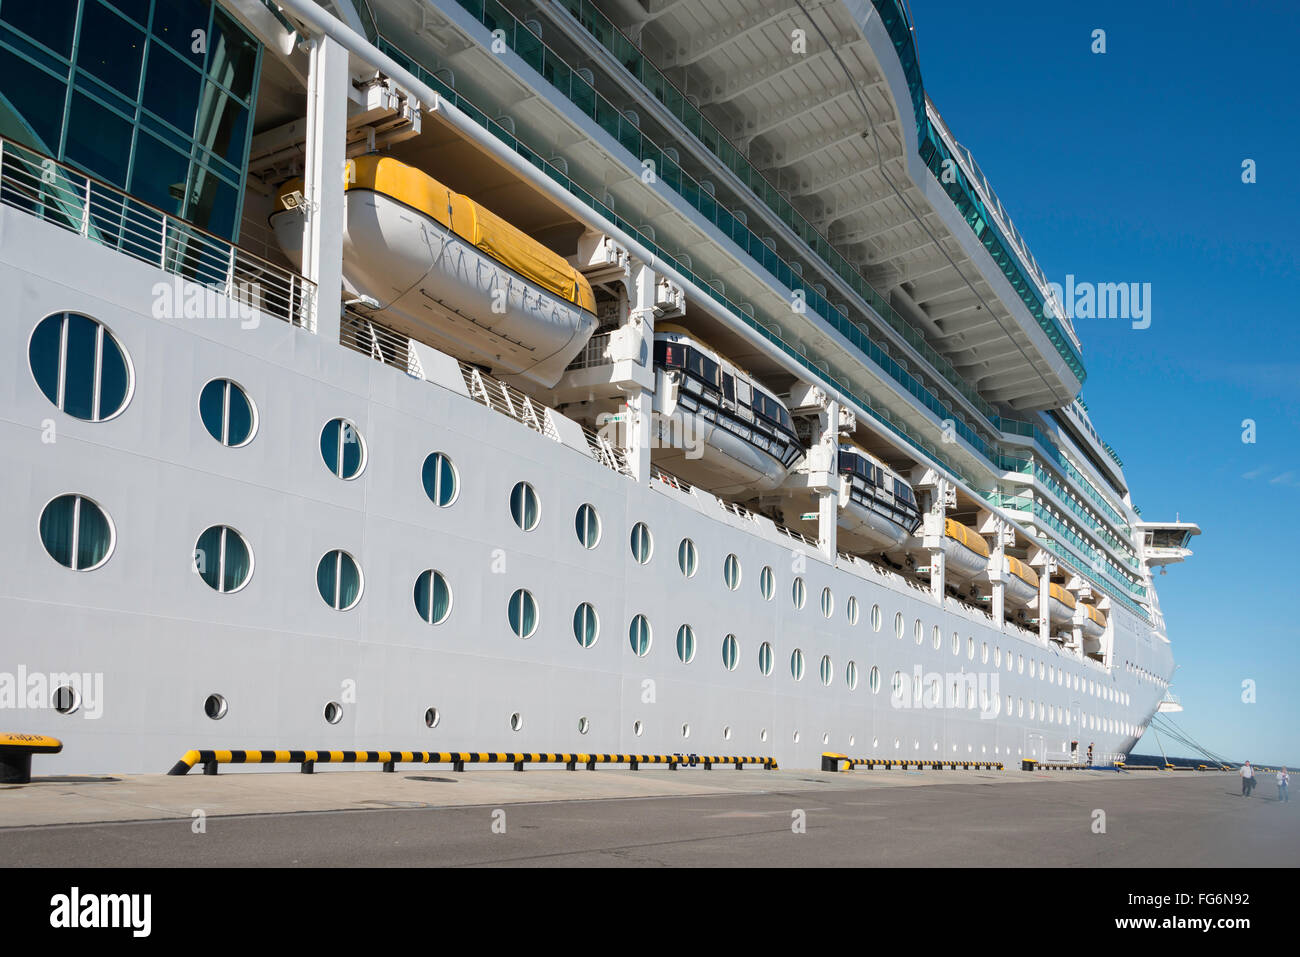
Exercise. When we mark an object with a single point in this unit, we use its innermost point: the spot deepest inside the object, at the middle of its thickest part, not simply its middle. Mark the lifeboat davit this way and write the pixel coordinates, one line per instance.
(1094, 621)
(1019, 582)
(440, 267)
(878, 510)
(713, 425)
(966, 554)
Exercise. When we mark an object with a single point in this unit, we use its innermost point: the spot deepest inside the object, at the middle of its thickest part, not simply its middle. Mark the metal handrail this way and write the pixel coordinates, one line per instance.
(70, 199)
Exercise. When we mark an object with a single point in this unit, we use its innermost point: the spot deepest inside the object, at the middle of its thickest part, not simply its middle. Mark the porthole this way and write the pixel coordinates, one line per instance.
(726, 734)
(875, 679)
(222, 559)
(828, 602)
(431, 718)
(432, 597)
(970, 648)
(79, 366)
(686, 644)
(524, 508)
(797, 665)
(686, 731)
(984, 653)
(799, 593)
(338, 579)
(937, 636)
(333, 712)
(896, 686)
(730, 652)
(875, 618)
(516, 722)
(765, 658)
(852, 610)
(215, 707)
(342, 448)
(851, 675)
(76, 532)
(827, 670)
(731, 572)
(766, 583)
(522, 613)
(687, 558)
(637, 728)
(639, 635)
(642, 543)
(66, 699)
(440, 479)
(826, 737)
(586, 625)
(956, 643)
(762, 735)
(584, 725)
(227, 413)
(918, 631)
(587, 524)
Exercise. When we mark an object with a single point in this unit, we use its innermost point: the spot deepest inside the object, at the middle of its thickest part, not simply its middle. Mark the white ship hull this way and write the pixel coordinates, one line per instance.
(162, 641)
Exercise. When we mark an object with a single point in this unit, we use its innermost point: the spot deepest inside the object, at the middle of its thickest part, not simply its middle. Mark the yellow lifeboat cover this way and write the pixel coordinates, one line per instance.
(1060, 594)
(967, 536)
(1022, 571)
(472, 222)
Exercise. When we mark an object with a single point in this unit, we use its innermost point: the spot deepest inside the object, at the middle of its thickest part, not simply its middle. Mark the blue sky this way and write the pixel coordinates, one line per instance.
(1127, 167)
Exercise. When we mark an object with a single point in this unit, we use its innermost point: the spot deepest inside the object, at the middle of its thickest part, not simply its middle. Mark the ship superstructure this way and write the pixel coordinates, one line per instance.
(630, 375)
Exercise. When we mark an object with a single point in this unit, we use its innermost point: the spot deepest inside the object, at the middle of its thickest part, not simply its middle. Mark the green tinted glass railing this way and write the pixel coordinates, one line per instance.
(1096, 560)
(603, 30)
(1063, 497)
(617, 124)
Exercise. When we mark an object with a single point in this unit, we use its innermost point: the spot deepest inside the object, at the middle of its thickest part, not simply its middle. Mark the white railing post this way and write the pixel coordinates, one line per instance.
(85, 212)
(162, 250)
(230, 273)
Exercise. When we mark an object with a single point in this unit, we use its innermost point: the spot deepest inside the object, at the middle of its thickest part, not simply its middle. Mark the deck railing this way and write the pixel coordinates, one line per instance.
(58, 194)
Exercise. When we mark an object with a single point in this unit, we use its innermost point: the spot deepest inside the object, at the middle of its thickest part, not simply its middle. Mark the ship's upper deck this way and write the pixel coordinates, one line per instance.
(824, 102)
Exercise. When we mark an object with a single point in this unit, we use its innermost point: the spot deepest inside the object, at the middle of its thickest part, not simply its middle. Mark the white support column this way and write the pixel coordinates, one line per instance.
(640, 401)
(828, 494)
(943, 496)
(1045, 564)
(327, 121)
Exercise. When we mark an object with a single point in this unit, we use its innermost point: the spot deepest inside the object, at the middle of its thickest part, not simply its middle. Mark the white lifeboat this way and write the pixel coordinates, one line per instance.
(1019, 582)
(966, 554)
(1093, 621)
(878, 510)
(713, 425)
(446, 270)
(1061, 606)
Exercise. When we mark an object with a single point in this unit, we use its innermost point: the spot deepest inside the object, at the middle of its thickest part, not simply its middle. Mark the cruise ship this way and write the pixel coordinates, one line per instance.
(630, 376)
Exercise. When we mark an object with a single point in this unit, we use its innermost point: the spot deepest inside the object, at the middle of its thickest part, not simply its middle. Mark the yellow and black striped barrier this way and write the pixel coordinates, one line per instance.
(832, 762)
(1029, 764)
(307, 760)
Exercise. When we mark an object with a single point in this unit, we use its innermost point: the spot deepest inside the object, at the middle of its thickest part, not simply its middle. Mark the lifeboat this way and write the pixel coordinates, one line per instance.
(966, 554)
(1019, 582)
(438, 266)
(1094, 621)
(714, 426)
(878, 510)
(1061, 605)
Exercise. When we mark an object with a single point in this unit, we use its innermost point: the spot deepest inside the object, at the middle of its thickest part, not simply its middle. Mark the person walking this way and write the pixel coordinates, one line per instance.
(1089, 754)
(1283, 779)
(1247, 779)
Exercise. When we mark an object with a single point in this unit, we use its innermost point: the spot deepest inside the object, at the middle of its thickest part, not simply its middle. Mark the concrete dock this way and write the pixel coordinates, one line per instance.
(686, 818)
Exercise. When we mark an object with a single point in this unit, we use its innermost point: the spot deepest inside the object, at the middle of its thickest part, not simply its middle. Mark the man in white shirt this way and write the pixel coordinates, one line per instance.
(1283, 779)
(1247, 779)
